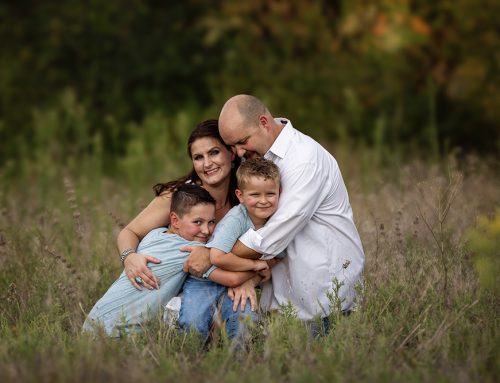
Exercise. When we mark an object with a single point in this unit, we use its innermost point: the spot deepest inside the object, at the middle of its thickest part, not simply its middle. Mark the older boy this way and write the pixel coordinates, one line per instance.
(258, 192)
(123, 308)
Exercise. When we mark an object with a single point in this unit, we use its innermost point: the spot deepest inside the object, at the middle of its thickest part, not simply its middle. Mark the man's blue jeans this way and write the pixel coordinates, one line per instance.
(199, 303)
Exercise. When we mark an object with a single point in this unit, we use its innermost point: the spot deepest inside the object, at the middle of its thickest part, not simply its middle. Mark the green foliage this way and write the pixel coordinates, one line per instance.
(484, 241)
(393, 75)
(347, 66)
(122, 59)
(157, 147)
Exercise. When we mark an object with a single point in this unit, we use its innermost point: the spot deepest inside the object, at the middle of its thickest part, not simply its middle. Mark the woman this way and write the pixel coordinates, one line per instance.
(214, 167)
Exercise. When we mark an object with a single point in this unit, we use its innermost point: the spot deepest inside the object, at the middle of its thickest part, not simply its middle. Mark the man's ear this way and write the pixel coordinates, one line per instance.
(174, 220)
(239, 195)
(264, 121)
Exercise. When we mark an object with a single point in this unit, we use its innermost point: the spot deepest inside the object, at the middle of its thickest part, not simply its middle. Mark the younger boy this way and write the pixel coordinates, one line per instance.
(258, 192)
(123, 307)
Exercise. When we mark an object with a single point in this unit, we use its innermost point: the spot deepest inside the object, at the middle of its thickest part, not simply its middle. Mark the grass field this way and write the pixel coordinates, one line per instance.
(428, 310)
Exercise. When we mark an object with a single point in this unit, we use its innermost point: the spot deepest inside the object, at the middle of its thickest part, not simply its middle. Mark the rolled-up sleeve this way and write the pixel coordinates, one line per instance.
(303, 190)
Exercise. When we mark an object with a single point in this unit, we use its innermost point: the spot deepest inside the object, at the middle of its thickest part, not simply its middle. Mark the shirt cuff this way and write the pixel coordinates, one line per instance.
(267, 257)
(208, 272)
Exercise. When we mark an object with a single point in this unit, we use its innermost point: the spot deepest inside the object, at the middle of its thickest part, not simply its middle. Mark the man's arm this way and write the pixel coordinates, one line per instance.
(243, 251)
(304, 189)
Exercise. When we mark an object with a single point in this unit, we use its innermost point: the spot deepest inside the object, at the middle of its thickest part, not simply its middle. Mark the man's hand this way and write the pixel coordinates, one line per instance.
(265, 274)
(198, 261)
(136, 266)
(240, 294)
(260, 265)
(273, 262)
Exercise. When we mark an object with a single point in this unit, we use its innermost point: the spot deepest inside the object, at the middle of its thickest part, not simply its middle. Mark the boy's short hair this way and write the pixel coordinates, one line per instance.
(257, 167)
(188, 195)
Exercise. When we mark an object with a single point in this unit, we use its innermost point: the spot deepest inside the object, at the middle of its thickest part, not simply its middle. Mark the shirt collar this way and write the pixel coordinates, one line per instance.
(284, 140)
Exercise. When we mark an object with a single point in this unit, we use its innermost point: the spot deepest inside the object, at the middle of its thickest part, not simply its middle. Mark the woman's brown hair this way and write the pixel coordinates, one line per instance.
(208, 128)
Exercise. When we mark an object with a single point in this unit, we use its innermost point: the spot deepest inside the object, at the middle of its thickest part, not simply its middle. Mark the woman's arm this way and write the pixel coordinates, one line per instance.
(155, 215)
(231, 262)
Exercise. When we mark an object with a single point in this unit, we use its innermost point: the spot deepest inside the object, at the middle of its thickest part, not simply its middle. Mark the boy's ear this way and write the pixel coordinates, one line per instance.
(239, 195)
(174, 220)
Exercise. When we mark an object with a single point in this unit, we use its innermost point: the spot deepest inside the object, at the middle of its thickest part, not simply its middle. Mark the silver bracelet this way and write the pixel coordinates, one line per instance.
(125, 253)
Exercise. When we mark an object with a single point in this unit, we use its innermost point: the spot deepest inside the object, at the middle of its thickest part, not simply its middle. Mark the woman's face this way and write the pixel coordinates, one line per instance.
(211, 160)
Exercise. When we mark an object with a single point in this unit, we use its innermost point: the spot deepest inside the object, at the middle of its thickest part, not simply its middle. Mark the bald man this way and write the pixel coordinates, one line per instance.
(313, 222)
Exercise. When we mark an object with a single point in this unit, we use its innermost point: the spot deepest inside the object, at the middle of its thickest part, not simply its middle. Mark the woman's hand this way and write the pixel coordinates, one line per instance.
(198, 261)
(136, 266)
(246, 290)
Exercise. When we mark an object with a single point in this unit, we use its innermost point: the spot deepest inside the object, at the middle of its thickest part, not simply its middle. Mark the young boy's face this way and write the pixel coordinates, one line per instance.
(196, 225)
(260, 196)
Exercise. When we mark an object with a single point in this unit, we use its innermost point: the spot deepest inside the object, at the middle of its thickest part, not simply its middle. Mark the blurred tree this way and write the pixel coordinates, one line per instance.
(123, 59)
(391, 73)
(404, 71)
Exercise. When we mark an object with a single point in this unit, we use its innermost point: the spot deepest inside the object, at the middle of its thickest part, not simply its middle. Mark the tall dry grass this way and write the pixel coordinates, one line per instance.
(421, 315)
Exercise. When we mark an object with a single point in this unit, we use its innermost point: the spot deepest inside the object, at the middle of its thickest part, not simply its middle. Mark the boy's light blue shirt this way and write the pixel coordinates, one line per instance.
(125, 307)
(226, 233)
(234, 224)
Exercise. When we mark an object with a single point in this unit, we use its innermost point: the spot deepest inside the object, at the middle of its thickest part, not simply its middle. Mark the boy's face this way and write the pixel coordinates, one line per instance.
(196, 225)
(260, 196)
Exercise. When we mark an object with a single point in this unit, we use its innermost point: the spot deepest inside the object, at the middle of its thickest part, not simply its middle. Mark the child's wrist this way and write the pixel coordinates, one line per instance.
(257, 279)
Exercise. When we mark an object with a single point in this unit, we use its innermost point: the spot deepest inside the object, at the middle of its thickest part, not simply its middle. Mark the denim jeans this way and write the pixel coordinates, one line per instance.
(318, 328)
(199, 304)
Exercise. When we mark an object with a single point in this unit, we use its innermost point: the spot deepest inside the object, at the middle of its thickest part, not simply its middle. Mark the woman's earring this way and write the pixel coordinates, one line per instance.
(232, 165)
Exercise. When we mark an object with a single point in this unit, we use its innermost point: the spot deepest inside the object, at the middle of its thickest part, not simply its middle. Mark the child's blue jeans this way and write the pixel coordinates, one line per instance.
(199, 303)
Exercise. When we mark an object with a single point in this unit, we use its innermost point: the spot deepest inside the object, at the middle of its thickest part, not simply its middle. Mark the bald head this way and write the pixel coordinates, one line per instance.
(247, 125)
(244, 109)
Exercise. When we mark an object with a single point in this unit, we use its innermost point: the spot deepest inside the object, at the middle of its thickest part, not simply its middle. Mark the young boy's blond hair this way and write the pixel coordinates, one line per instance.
(257, 167)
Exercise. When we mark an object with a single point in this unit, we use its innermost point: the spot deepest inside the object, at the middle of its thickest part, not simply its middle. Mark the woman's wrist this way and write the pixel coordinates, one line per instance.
(125, 253)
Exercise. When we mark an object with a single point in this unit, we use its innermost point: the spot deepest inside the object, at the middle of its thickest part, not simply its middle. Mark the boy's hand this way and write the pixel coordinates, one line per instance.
(198, 261)
(246, 290)
(260, 265)
(265, 274)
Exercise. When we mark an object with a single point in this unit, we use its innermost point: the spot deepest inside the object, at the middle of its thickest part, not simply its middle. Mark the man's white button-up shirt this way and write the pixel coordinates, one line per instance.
(314, 223)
